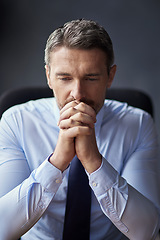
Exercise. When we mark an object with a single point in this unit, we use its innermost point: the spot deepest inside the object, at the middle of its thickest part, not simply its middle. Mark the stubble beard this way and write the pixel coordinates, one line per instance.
(89, 102)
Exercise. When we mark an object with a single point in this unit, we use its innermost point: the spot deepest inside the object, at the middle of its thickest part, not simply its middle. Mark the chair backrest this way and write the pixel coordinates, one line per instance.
(133, 97)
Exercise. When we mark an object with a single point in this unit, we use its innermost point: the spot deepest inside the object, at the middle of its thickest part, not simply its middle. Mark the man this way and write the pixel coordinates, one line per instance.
(116, 144)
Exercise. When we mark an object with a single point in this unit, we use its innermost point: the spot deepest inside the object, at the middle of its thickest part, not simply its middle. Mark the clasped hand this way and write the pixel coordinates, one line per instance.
(77, 137)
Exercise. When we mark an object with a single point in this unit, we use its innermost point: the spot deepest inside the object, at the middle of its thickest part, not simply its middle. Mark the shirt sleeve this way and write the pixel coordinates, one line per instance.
(22, 193)
(30, 198)
(131, 201)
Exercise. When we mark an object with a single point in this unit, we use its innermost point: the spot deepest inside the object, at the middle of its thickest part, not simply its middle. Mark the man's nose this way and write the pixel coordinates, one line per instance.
(78, 91)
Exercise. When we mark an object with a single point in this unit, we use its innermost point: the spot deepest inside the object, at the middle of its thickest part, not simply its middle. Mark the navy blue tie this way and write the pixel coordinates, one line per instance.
(78, 205)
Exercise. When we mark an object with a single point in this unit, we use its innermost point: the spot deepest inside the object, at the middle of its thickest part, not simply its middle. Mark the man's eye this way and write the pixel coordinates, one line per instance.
(64, 78)
(91, 79)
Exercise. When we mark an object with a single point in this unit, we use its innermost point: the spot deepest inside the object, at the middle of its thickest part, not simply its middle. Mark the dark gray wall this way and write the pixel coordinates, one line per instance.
(132, 25)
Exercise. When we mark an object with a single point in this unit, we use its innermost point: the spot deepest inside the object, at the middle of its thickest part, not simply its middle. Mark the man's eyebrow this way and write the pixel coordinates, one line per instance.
(62, 74)
(87, 75)
(93, 74)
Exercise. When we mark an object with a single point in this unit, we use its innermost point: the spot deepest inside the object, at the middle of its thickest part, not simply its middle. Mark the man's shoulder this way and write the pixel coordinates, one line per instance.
(122, 111)
(128, 121)
(31, 107)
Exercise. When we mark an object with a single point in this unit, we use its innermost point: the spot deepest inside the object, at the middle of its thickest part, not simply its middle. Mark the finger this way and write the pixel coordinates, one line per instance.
(68, 105)
(83, 118)
(69, 112)
(68, 123)
(74, 107)
(77, 131)
(85, 108)
(79, 119)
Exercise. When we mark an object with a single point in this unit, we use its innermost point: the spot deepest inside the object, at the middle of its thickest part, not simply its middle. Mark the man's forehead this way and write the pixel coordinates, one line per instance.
(69, 51)
(63, 56)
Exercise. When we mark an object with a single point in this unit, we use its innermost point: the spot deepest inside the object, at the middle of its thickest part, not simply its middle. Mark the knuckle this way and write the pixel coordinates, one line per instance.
(71, 120)
(80, 115)
(82, 105)
(78, 130)
(70, 112)
(61, 124)
(73, 111)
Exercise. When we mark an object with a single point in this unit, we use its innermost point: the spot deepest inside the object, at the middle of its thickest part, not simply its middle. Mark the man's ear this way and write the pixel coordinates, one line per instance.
(111, 75)
(48, 76)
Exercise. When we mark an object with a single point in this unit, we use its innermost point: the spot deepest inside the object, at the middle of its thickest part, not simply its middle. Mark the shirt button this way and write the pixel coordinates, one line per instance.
(57, 180)
(94, 184)
(41, 205)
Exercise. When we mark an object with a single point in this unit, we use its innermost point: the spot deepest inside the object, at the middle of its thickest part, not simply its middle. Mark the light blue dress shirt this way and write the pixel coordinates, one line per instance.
(126, 194)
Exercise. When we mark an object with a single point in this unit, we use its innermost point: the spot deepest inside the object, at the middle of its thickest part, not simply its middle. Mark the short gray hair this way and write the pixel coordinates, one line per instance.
(80, 34)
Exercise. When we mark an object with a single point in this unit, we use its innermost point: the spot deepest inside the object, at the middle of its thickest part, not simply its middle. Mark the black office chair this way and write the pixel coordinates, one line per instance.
(15, 96)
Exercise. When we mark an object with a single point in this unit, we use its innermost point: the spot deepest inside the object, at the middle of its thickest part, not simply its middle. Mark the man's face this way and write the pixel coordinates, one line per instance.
(79, 75)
